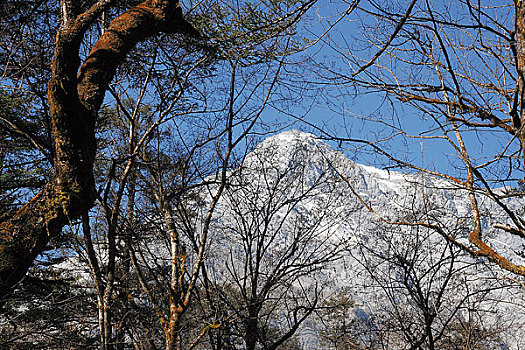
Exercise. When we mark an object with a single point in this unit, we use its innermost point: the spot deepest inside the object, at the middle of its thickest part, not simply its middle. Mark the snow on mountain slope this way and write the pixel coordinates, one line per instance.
(393, 194)
(298, 178)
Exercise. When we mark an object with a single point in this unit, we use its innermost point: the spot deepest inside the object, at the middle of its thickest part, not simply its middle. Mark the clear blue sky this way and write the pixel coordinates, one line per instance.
(346, 112)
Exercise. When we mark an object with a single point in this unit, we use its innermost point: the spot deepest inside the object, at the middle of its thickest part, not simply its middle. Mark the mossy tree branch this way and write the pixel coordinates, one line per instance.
(75, 96)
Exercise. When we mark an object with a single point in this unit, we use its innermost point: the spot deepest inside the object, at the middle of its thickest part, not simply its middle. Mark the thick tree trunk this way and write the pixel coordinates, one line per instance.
(173, 341)
(74, 102)
(251, 332)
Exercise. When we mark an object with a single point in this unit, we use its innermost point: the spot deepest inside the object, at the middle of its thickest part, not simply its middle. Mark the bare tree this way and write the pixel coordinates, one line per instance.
(427, 292)
(446, 75)
(273, 243)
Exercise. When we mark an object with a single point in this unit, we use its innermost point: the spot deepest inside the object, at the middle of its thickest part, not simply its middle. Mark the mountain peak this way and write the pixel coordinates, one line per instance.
(291, 144)
(290, 141)
(293, 135)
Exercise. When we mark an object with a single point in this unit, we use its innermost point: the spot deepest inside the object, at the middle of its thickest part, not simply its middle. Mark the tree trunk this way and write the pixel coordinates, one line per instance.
(518, 115)
(74, 102)
(178, 261)
(251, 332)
(173, 339)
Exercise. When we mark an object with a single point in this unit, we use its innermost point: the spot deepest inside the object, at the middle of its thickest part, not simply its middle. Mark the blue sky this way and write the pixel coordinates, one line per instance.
(347, 112)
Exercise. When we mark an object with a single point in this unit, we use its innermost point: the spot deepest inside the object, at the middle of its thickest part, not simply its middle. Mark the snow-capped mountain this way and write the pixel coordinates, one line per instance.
(394, 194)
(398, 276)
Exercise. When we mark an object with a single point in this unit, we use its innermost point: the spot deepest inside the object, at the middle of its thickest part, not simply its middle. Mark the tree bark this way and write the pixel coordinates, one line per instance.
(251, 333)
(518, 114)
(177, 305)
(74, 100)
